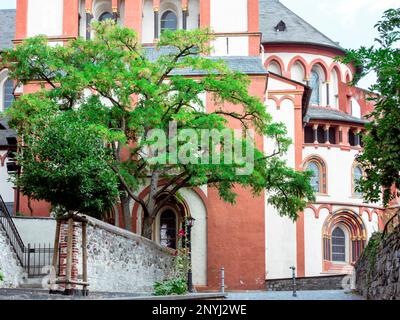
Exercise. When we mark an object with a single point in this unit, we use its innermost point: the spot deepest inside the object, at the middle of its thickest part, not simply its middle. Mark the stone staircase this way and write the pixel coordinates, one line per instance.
(21, 265)
(10, 265)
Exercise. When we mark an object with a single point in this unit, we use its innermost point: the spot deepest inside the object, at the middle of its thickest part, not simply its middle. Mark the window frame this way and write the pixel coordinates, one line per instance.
(323, 177)
(319, 81)
(345, 246)
(166, 11)
(158, 227)
(354, 193)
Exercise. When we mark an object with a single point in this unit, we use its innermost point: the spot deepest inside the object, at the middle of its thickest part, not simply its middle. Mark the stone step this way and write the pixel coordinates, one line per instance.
(32, 283)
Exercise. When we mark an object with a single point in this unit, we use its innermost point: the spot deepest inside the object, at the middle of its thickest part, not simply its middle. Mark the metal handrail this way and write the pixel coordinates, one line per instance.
(11, 230)
(40, 255)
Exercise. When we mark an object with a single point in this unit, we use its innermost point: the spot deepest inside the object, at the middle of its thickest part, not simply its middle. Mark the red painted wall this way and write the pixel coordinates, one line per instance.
(236, 233)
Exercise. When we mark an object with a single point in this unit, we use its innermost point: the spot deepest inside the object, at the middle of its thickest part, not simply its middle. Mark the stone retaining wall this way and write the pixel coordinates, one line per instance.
(121, 261)
(331, 282)
(9, 266)
(378, 275)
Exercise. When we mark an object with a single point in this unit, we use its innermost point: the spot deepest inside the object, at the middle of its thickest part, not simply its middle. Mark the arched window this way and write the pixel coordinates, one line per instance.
(318, 169)
(316, 175)
(105, 16)
(298, 72)
(357, 175)
(168, 230)
(334, 89)
(169, 21)
(315, 84)
(338, 245)
(274, 67)
(7, 94)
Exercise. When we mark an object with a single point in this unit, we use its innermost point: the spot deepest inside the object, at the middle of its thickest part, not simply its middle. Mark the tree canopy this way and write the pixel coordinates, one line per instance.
(381, 154)
(100, 103)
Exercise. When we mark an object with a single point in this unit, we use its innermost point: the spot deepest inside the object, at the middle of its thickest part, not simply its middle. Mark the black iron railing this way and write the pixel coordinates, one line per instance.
(32, 257)
(11, 231)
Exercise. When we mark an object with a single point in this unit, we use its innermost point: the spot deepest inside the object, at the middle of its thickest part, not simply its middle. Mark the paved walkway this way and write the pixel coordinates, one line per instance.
(26, 294)
(301, 295)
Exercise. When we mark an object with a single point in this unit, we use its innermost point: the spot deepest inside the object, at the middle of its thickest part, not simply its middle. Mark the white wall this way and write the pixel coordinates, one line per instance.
(194, 14)
(280, 231)
(230, 46)
(355, 108)
(229, 16)
(298, 73)
(199, 236)
(148, 22)
(6, 187)
(313, 250)
(339, 168)
(280, 244)
(36, 230)
(45, 17)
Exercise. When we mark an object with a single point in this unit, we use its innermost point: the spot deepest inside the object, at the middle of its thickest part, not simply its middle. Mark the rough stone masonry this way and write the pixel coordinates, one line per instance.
(378, 276)
(121, 261)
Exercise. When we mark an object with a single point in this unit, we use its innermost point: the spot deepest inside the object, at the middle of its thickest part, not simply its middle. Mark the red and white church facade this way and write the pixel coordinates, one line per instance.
(304, 88)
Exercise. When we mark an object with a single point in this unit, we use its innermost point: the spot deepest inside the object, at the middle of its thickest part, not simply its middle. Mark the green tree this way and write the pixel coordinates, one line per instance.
(381, 154)
(123, 93)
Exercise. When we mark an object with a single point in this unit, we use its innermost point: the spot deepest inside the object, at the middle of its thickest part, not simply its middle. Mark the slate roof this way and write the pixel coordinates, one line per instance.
(7, 28)
(297, 29)
(247, 65)
(5, 133)
(315, 113)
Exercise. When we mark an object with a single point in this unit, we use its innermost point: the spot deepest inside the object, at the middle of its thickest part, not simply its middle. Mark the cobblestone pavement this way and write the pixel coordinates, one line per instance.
(301, 295)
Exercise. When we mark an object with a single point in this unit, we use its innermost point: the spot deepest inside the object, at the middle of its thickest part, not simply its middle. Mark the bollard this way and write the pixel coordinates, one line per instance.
(222, 280)
(294, 280)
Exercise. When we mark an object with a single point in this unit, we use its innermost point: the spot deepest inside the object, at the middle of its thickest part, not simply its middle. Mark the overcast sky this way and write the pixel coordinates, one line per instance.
(350, 22)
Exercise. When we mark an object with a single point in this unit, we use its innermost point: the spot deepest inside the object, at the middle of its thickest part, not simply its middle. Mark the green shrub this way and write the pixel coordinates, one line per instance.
(1, 276)
(177, 286)
(371, 252)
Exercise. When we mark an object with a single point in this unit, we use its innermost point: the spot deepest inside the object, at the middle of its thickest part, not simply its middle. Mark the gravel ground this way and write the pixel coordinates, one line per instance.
(301, 295)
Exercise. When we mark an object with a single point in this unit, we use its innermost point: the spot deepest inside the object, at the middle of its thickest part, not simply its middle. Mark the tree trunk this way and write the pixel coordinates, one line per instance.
(147, 229)
(126, 214)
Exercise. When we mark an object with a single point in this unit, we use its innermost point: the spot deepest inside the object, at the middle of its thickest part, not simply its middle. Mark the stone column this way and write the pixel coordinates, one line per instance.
(315, 131)
(156, 10)
(327, 94)
(185, 13)
(115, 11)
(68, 263)
(345, 136)
(89, 16)
(357, 138)
(326, 132)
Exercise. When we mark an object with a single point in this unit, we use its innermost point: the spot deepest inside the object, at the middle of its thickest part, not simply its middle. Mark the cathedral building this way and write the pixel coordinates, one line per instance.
(292, 68)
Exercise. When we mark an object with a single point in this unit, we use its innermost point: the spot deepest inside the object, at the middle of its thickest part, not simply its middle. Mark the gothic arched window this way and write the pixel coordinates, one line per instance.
(338, 245)
(316, 176)
(315, 84)
(357, 175)
(168, 229)
(7, 94)
(105, 16)
(169, 21)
